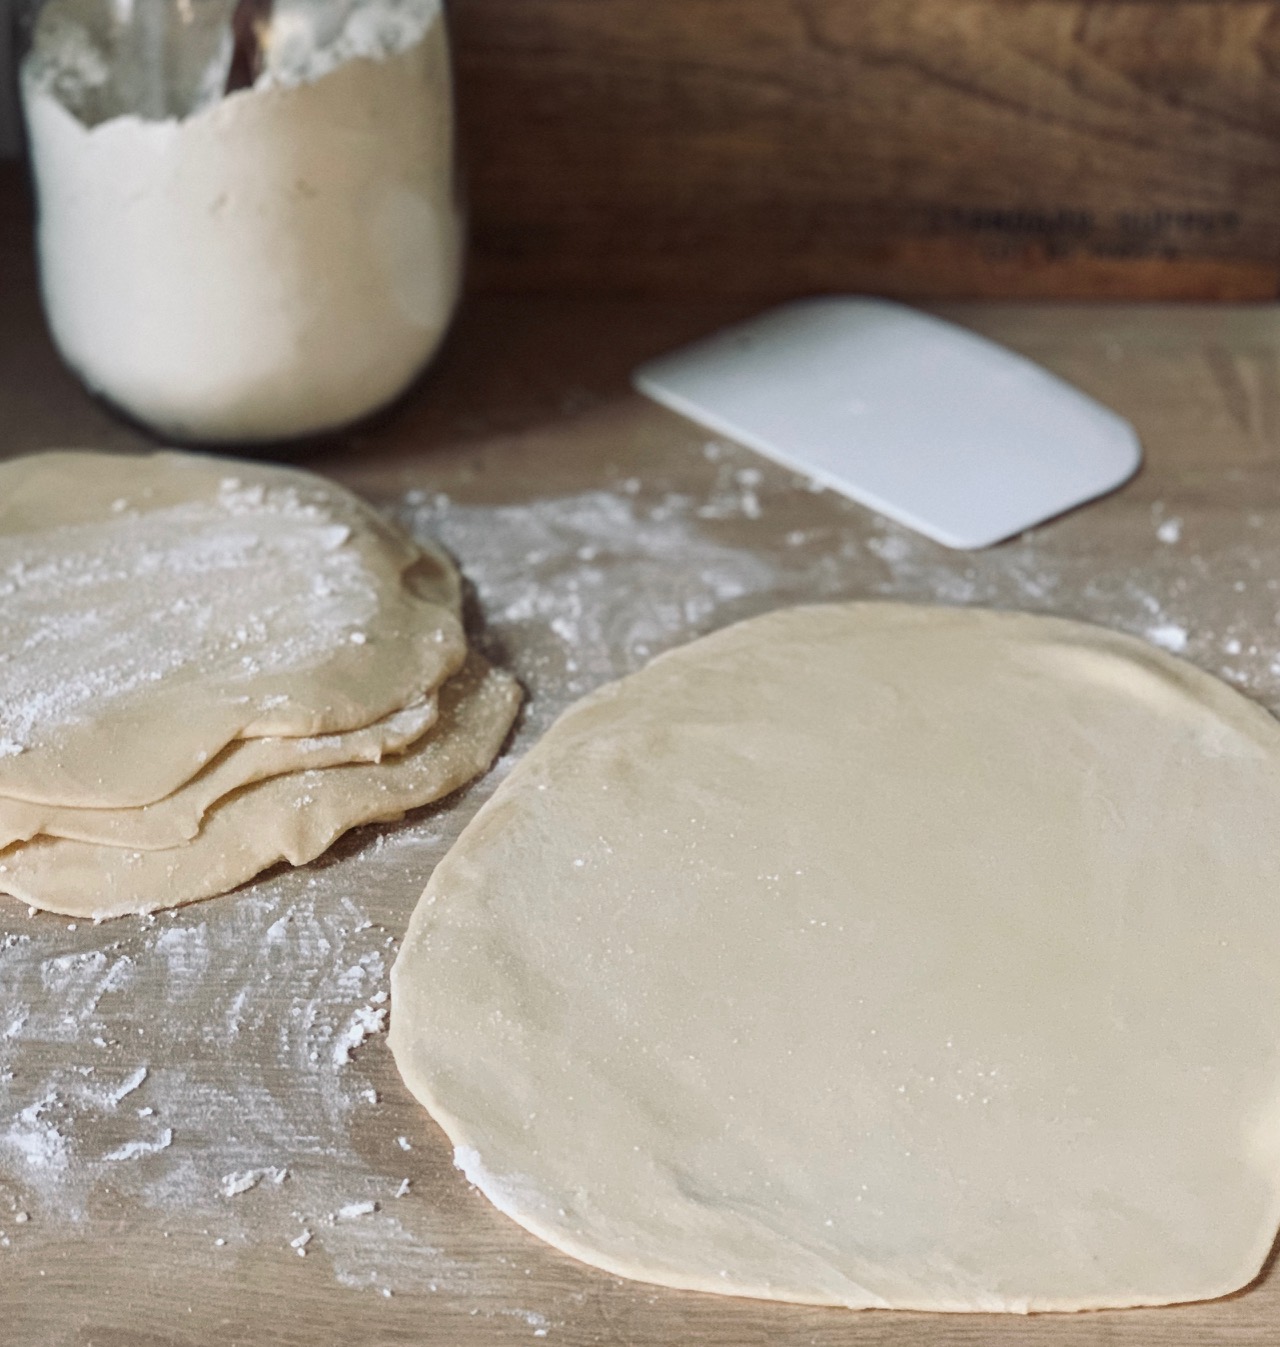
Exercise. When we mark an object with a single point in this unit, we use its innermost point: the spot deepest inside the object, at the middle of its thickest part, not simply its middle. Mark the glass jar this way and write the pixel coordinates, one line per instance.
(248, 219)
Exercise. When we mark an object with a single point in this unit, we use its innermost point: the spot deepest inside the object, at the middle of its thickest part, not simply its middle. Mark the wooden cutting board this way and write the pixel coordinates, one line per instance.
(922, 148)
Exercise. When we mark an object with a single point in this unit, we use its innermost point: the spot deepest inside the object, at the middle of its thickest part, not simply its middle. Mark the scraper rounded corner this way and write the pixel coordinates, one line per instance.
(1125, 454)
(926, 422)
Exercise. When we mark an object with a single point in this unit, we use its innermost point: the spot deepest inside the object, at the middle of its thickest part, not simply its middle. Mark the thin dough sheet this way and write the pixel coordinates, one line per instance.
(154, 608)
(177, 818)
(878, 956)
(292, 818)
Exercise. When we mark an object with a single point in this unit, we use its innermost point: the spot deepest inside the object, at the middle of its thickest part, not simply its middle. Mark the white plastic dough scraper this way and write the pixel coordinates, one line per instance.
(915, 417)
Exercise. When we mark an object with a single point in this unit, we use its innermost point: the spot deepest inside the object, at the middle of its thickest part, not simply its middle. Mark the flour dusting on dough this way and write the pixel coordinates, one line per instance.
(223, 580)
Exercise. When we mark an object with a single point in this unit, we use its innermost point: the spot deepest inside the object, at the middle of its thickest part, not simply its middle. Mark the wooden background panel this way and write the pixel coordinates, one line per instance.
(927, 148)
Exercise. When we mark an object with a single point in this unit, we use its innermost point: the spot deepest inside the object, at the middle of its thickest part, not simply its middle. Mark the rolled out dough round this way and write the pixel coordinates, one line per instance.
(153, 608)
(290, 818)
(874, 955)
(177, 818)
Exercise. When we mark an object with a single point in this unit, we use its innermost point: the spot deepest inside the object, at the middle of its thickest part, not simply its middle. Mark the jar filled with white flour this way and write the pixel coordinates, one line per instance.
(248, 221)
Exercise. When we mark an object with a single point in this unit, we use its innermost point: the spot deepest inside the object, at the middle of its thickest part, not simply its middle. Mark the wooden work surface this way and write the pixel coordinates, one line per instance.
(596, 529)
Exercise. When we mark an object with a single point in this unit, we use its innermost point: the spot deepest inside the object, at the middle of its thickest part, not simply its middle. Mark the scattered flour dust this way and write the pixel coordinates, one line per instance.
(1168, 636)
(286, 983)
(586, 587)
(365, 1020)
(253, 582)
(132, 1150)
(220, 1065)
(248, 1179)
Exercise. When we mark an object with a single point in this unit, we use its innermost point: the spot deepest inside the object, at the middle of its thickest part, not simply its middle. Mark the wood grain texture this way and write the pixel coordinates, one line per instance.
(925, 148)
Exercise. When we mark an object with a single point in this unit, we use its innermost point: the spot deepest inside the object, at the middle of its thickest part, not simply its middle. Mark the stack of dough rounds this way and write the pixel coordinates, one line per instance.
(209, 666)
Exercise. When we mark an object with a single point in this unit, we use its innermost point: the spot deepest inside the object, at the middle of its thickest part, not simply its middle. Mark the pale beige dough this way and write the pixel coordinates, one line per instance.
(874, 955)
(154, 608)
(434, 577)
(292, 818)
(177, 818)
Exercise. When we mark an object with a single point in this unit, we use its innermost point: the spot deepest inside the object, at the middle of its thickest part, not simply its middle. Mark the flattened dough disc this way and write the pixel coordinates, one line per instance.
(153, 608)
(287, 818)
(874, 955)
(177, 818)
